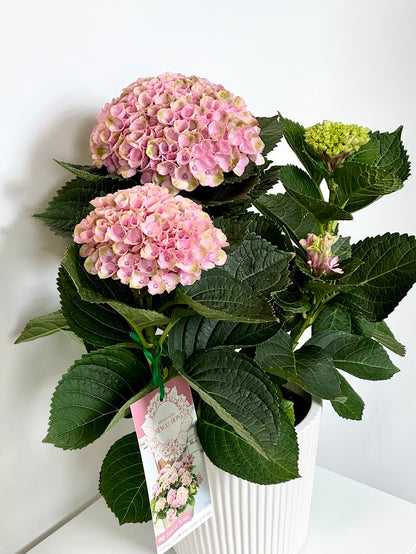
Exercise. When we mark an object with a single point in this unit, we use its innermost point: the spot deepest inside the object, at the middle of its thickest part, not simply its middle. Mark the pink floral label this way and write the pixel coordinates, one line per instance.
(173, 462)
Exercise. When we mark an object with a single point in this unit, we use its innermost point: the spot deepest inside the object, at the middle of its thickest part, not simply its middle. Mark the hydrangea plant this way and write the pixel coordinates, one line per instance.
(170, 263)
(174, 490)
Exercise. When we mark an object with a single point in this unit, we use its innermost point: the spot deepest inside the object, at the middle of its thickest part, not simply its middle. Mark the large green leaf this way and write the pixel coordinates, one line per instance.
(335, 318)
(96, 324)
(91, 392)
(361, 184)
(123, 483)
(72, 203)
(363, 357)
(350, 405)
(271, 132)
(294, 134)
(282, 209)
(267, 229)
(342, 248)
(42, 326)
(384, 336)
(227, 450)
(310, 368)
(259, 264)
(308, 195)
(386, 275)
(111, 292)
(218, 295)
(235, 228)
(198, 333)
(239, 392)
(385, 150)
(332, 318)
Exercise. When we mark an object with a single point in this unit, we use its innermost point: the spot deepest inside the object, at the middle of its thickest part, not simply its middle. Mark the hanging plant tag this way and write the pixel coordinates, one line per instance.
(173, 462)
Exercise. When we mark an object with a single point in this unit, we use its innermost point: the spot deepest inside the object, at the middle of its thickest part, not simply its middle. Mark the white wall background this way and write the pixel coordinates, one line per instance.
(344, 60)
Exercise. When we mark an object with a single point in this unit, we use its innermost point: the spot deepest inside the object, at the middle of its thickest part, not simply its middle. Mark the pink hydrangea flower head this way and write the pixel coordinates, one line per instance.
(147, 237)
(171, 516)
(176, 130)
(182, 495)
(160, 505)
(320, 258)
(186, 478)
(171, 497)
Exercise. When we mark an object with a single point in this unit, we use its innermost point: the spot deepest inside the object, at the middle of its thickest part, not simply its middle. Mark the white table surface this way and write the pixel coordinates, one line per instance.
(346, 518)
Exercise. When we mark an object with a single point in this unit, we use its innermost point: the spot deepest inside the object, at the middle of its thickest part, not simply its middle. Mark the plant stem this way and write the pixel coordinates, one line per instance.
(165, 333)
(143, 340)
(310, 318)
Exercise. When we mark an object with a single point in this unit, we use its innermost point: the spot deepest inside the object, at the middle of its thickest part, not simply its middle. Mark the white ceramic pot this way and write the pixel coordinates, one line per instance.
(260, 519)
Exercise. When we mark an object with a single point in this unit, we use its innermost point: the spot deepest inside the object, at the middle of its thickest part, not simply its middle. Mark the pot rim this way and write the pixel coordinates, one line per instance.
(314, 412)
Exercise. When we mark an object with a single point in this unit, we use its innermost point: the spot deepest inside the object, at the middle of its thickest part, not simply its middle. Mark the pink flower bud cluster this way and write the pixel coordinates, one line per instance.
(146, 237)
(320, 259)
(176, 130)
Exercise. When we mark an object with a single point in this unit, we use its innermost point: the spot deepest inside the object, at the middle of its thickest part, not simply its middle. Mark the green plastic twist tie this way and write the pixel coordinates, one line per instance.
(154, 361)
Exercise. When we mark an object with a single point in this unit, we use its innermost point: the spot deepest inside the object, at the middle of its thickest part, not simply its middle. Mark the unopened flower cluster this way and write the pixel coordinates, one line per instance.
(176, 130)
(174, 489)
(334, 141)
(146, 237)
(320, 258)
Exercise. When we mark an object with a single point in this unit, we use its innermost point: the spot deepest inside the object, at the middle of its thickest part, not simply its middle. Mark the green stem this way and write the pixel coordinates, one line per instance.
(144, 341)
(165, 333)
(310, 318)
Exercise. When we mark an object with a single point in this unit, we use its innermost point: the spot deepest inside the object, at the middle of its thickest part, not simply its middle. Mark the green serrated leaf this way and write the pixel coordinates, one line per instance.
(260, 265)
(360, 356)
(222, 378)
(217, 295)
(265, 228)
(268, 179)
(234, 228)
(72, 203)
(88, 172)
(383, 335)
(386, 275)
(123, 483)
(362, 326)
(125, 408)
(282, 209)
(332, 318)
(227, 450)
(198, 333)
(96, 324)
(350, 405)
(90, 394)
(342, 248)
(311, 369)
(42, 326)
(294, 134)
(390, 153)
(304, 191)
(271, 132)
(361, 184)
(110, 292)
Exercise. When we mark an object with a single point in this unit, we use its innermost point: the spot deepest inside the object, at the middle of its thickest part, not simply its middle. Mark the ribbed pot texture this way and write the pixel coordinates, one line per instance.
(260, 519)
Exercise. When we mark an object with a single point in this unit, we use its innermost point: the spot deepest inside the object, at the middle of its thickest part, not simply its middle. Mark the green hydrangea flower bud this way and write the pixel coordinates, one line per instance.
(334, 141)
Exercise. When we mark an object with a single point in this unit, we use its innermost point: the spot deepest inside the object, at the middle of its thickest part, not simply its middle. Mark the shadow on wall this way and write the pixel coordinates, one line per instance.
(54, 481)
